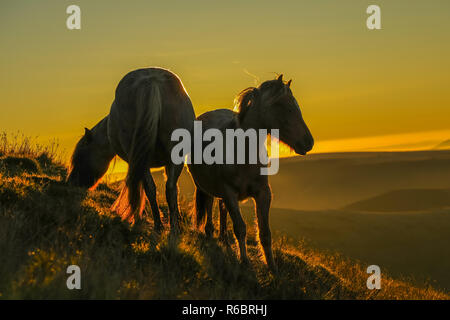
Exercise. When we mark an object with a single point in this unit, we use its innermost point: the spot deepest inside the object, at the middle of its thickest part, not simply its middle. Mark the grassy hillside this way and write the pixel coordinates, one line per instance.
(385, 208)
(46, 226)
(413, 245)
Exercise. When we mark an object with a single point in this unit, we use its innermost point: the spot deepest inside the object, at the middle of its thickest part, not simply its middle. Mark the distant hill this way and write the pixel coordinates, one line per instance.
(404, 200)
(332, 181)
(444, 145)
(335, 180)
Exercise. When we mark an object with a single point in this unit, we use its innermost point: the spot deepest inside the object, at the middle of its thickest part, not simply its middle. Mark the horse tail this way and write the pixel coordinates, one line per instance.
(200, 207)
(148, 113)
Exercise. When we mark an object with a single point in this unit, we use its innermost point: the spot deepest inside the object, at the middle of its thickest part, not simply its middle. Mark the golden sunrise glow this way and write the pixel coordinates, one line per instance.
(359, 90)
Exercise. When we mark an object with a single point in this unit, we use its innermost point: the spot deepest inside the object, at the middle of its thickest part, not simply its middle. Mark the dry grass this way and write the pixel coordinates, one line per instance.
(45, 226)
(20, 145)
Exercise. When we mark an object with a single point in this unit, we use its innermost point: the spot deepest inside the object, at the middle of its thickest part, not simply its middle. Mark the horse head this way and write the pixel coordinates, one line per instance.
(87, 165)
(277, 108)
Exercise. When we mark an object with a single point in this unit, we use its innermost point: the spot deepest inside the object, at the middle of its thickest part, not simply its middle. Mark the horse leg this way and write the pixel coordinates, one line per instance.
(223, 222)
(203, 204)
(263, 199)
(173, 172)
(150, 191)
(209, 227)
(239, 227)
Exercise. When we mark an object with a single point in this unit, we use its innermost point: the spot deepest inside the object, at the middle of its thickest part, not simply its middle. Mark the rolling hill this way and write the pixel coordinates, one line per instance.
(392, 208)
(444, 145)
(46, 225)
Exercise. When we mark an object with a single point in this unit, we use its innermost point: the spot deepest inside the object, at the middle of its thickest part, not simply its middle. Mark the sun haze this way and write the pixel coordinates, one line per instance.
(358, 89)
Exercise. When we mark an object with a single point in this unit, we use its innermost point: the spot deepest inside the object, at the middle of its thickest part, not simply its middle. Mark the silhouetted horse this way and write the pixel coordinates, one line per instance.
(270, 106)
(149, 104)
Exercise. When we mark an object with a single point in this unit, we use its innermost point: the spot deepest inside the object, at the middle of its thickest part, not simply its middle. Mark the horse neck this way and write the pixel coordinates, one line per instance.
(100, 132)
(252, 119)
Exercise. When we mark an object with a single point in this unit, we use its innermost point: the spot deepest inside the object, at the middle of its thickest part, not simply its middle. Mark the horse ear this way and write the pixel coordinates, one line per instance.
(280, 77)
(289, 83)
(88, 134)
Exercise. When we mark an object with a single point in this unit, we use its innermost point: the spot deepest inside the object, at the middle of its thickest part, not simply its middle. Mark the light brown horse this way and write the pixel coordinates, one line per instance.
(270, 106)
(149, 104)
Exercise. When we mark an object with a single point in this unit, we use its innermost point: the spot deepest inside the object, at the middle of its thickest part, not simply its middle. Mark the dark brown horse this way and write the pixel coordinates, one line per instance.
(270, 106)
(149, 104)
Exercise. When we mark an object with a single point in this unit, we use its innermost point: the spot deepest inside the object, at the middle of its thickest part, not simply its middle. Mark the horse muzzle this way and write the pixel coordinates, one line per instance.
(303, 148)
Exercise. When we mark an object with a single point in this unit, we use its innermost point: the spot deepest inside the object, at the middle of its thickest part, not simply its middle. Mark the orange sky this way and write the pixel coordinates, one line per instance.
(358, 89)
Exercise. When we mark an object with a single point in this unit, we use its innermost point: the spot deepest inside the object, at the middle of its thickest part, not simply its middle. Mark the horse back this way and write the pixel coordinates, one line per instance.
(217, 179)
(176, 110)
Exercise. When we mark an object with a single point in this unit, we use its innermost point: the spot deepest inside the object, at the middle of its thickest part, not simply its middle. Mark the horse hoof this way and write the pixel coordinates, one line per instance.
(159, 227)
(224, 239)
(209, 235)
(273, 268)
(245, 262)
(175, 230)
(209, 232)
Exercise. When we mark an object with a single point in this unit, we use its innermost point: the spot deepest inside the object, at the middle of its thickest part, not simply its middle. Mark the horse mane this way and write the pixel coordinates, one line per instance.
(245, 99)
(272, 90)
(74, 157)
(77, 155)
